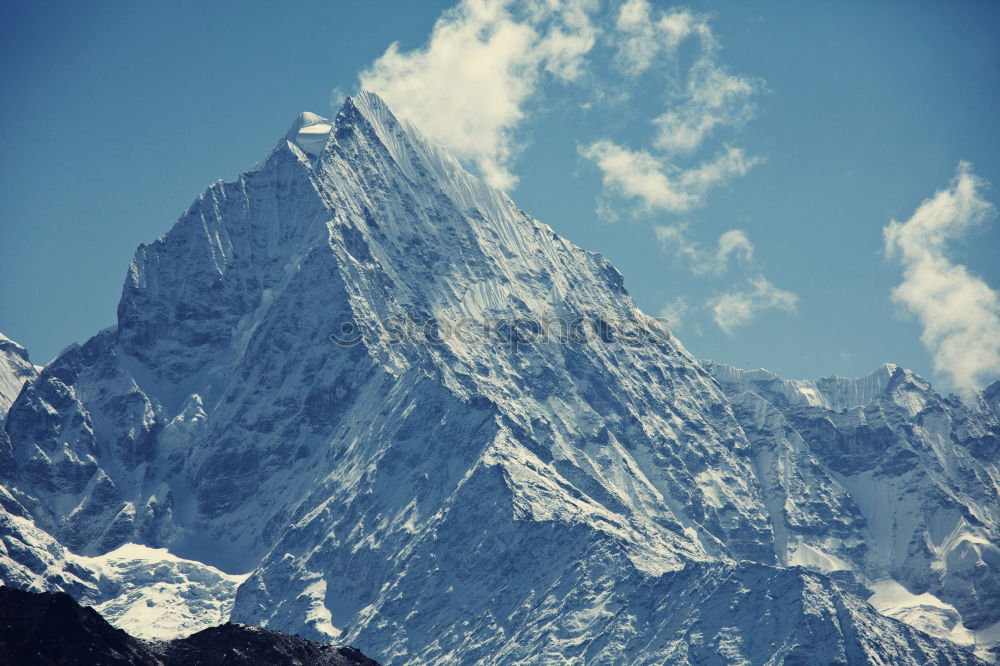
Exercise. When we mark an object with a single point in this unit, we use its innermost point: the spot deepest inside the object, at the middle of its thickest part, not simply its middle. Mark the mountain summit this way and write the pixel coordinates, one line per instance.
(424, 424)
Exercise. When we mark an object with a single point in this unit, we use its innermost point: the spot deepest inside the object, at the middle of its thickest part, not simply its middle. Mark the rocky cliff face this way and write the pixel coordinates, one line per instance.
(882, 478)
(428, 425)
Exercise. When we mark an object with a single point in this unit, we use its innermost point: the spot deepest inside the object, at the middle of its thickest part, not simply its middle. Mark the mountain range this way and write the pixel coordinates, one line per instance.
(360, 396)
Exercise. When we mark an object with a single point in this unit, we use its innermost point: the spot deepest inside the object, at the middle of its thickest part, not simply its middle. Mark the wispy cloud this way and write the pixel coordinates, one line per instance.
(714, 99)
(499, 55)
(657, 184)
(709, 98)
(738, 308)
(732, 244)
(959, 312)
(734, 308)
(467, 88)
(643, 36)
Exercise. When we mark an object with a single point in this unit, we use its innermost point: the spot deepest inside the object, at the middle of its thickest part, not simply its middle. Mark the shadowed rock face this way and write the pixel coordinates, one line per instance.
(446, 498)
(50, 628)
(240, 645)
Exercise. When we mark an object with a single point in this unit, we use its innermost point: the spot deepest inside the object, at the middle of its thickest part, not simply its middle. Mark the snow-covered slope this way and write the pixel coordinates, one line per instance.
(15, 370)
(882, 477)
(30, 559)
(429, 426)
(154, 595)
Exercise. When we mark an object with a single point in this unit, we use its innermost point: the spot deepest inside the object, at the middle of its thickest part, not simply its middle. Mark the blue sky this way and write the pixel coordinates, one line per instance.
(739, 162)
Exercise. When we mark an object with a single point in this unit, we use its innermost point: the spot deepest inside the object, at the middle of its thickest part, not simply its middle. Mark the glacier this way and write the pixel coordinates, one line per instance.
(224, 450)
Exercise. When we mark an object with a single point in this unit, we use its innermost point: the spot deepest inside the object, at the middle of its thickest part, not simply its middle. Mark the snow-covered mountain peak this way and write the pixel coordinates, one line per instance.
(310, 132)
(883, 477)
(227, 320)
(421, 160)
(308, 119)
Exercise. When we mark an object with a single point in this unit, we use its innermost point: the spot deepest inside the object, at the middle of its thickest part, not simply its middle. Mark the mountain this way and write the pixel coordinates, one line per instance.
(420, 422)
(882, 478)
(51, 628)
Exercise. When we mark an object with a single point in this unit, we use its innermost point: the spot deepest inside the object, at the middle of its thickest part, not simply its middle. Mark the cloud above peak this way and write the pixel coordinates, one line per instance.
(959, 312)
(468, 86)
(702, 99)
(487, 65)
(643, 35)
(732, 244)
(658, 185)
(738, 308)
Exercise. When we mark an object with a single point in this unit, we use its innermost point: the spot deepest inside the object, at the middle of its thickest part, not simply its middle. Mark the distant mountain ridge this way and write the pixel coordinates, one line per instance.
(883, 478)
(480, 501)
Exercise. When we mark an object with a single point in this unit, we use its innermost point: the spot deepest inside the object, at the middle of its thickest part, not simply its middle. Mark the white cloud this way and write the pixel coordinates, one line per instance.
(732, 244)
(468, 86)
(660, 186)
(714, 98)
(710, 98)
(734, 241)
(738, 308)
(959, 312)
(471, 85)
(643, 36)
(735, 308)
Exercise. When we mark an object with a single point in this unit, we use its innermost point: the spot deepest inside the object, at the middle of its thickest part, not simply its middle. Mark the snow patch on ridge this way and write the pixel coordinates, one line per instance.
(159, 596)
(310, 132)
(932, 616)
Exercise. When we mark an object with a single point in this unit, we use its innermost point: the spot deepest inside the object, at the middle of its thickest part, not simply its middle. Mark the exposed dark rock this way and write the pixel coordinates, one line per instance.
(50, 628)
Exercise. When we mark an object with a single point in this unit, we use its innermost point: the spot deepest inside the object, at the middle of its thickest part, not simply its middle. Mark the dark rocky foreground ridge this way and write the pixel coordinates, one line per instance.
(51, 628)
